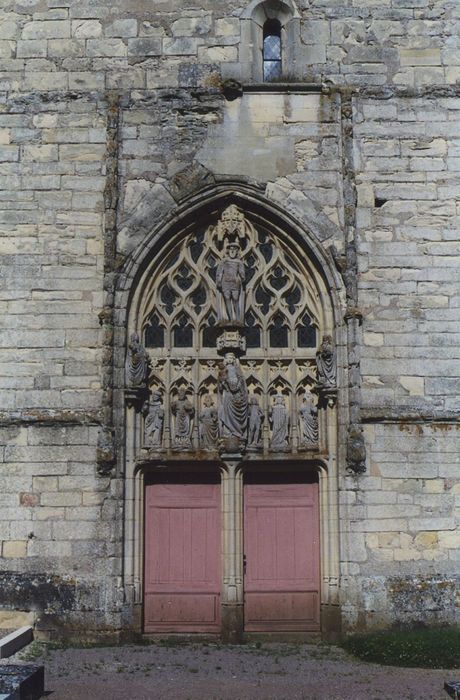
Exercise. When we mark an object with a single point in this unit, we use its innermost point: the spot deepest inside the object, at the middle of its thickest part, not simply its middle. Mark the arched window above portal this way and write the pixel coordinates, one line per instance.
(270, 32)
(271, 50)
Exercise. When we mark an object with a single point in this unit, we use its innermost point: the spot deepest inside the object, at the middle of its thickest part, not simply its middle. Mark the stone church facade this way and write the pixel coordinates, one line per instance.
(230, 306)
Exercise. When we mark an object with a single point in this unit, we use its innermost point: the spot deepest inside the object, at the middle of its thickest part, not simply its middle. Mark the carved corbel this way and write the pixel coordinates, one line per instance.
(356, 449)
(105, 451)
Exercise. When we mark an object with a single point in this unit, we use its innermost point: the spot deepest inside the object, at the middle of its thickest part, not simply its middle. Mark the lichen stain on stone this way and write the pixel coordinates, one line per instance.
(22, 591)
(416, 599)
(410, 428)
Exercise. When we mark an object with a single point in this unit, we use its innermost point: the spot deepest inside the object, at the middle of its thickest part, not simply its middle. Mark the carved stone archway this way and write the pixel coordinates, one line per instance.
(275, 323)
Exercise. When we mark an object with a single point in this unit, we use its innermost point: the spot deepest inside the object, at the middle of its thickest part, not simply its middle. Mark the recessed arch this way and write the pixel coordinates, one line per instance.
(134, 287)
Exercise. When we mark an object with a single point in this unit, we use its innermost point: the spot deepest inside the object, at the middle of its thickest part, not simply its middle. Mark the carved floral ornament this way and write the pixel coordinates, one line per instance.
(228, 344)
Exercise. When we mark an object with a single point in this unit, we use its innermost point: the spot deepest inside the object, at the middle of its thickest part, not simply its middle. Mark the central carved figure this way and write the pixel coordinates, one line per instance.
(230, 279)
(233, 409)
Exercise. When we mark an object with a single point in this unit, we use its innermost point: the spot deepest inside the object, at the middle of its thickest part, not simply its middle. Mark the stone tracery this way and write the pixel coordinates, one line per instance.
(233, 290)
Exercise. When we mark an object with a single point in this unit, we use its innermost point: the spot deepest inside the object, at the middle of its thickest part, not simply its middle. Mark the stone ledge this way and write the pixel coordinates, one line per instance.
(13, 642)
(22, 682)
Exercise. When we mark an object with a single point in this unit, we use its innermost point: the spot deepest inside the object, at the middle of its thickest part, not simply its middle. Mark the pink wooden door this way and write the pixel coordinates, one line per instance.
(182, 558)
(282, 557)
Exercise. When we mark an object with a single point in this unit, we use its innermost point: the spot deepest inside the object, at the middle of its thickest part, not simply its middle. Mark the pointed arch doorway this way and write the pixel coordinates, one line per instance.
(180, 313)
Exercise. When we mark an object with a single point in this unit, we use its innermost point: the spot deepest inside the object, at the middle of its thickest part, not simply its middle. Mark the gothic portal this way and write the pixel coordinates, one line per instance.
(231, 391)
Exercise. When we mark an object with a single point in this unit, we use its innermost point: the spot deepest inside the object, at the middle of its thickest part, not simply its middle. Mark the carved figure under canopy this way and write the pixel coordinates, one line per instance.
(230, 279)
(256, 416)
(326, 363)
(183, 413)
(279, 419)
(308, 414)
(231, 224)
(233, 409)
(209, 424)
(153, 425)
(137, 364)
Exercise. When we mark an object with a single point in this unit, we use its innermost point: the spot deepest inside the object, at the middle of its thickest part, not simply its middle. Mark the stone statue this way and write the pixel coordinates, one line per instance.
(209, 424)
(230, 279)
(137, 364)
(153, 425)
(325, 363)
(308, 415)
(233, 409)
(256, 416)
(279, 419)
(183, 412)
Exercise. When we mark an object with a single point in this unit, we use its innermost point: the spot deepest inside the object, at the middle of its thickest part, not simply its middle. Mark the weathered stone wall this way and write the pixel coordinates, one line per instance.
(118, 107)
(57, 518)
(403, 517)
(87, 45)
(401, 527)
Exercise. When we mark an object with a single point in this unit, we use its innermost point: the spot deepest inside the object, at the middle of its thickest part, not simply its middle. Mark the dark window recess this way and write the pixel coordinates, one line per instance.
(279, 333)
(263, 298)
(292, 299)
(379, 202)
(212, 266)
(265, 247)
(272, 50)
(154, 336)
(199, 298)
(196, 247)
(168, 297)
(250, 262)
(306, 333)
(252, 332)
(183, 333)
(184, 278)
(278, 279)
(210, 332)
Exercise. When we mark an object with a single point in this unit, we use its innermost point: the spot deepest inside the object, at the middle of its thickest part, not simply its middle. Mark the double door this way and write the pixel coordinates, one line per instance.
(184, 557)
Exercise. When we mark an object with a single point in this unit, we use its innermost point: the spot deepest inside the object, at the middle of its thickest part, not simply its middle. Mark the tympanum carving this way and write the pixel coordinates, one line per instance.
(183, 412)
(256, 417)
(233, 409)
(231, 312)
(230, 280)
(279, 420)
(308, 420)
(209, 424)
(153, 423)
(137, 364)
(326, 363)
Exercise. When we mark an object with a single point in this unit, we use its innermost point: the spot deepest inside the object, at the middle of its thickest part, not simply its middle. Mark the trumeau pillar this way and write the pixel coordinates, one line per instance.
(232, 551)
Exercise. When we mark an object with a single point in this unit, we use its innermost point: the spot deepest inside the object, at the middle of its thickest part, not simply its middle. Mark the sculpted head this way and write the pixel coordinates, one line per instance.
(232, 250)
(229, 358)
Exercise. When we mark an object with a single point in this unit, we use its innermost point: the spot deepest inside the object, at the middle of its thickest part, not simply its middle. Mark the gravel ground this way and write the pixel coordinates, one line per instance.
(171, 671)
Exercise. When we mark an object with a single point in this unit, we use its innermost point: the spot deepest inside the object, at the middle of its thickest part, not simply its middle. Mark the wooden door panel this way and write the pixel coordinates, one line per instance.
(182, 560)
(281, 611)
(282, 556)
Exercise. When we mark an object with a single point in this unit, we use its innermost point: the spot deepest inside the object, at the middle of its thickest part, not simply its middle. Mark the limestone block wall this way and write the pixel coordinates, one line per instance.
(57, 516)
(86, 45)
(111, 113)
(400, 534)
(402, 543)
